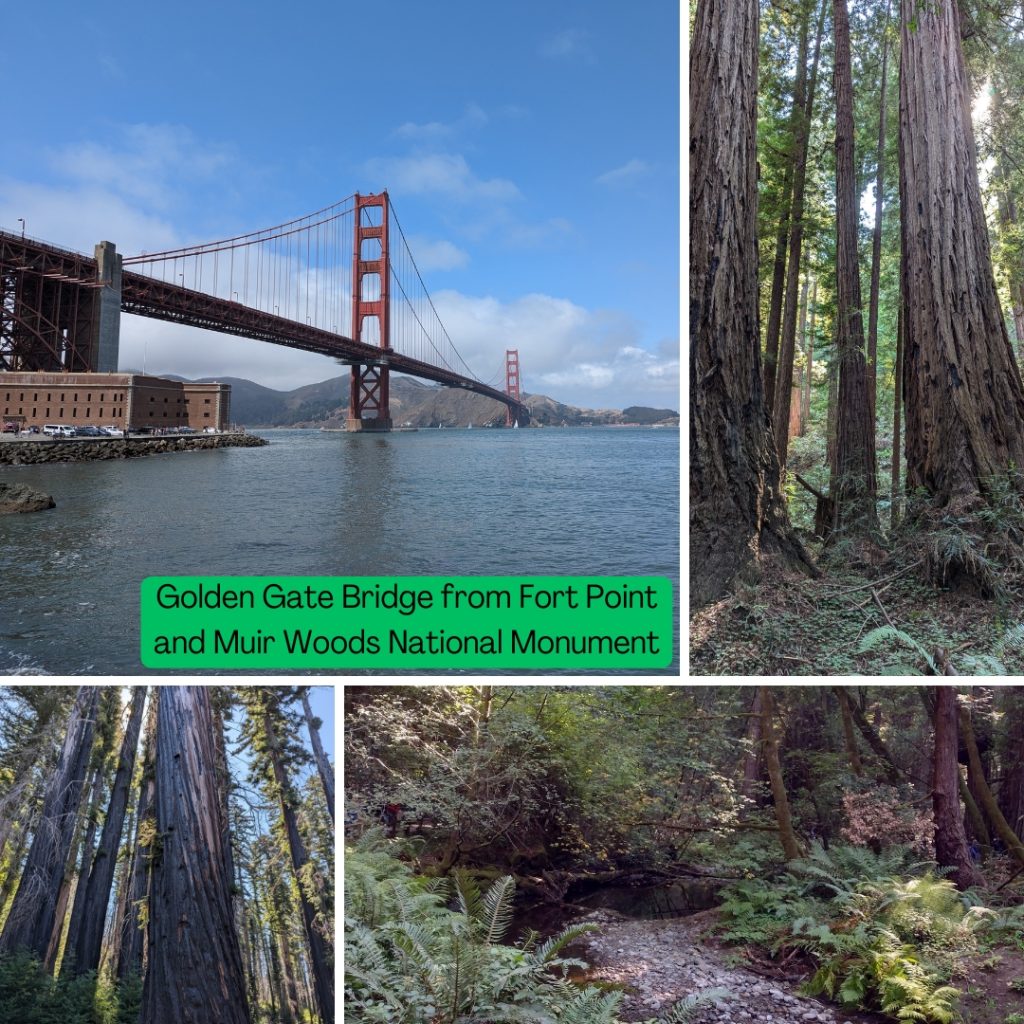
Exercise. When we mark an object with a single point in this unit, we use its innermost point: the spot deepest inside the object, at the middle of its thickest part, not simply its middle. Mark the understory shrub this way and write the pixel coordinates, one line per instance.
(29, 995)
(879, 940)
(410, 958)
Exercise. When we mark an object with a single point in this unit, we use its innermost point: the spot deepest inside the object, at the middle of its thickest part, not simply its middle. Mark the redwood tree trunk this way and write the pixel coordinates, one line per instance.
(133, 936)
(853, 488)
(195, 971)
(961, 385)
(787, 350)
(876, 234)
(323, 765)
(323, 973)
(737, 512)
(950, 840)
(88, 932)
(31, 919)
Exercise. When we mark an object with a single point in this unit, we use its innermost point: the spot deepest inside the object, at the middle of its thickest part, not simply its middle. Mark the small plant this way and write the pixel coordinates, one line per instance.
(1017, 985)
(992, 963)
(1014, 1018)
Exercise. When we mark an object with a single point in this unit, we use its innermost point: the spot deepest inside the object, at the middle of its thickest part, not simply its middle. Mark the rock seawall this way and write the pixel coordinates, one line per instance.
(30, 453)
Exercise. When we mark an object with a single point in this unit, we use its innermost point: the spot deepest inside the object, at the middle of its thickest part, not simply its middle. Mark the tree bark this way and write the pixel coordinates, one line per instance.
(809, 376)
(30, 922)
(950, 841)
(88, 930)
(323, 765)
(895, 493)
(83, 845)
(853, 488)
(737, 511)
(1011, 793)
(195, 971)
(892, 770)
(962, 389)
(787, 836)
(849, 736)
(131, 956)
(774, 325)
(323, 973)
(804, 102)
(988, 801)
(876, 234)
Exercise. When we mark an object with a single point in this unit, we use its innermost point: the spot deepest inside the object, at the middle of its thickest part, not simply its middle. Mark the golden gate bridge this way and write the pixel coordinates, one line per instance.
(341, 282)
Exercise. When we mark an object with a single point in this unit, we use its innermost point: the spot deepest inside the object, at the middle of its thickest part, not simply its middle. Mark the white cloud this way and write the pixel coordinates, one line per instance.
(625, 174)
(446, 174)
(584, 357)
(437, 255)
(473, 117)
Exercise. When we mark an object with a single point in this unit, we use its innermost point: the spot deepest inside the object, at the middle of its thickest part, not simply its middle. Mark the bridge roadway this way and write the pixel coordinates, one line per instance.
(146, 296)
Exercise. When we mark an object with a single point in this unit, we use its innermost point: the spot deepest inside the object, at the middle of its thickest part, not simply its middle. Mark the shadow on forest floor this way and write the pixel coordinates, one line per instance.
(789, 625)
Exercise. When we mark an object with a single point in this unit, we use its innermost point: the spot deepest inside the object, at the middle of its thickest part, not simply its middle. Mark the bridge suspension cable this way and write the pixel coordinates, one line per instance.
(300, 270)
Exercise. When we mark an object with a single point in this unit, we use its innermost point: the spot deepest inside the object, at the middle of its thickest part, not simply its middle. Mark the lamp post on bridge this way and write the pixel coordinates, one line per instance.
(21, 220)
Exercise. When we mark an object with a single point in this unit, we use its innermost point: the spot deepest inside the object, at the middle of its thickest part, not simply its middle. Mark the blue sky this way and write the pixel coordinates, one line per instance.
(531, 152)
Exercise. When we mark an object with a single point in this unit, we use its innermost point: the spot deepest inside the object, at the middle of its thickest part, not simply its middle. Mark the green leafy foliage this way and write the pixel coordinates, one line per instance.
(29, 995)
(881, 941)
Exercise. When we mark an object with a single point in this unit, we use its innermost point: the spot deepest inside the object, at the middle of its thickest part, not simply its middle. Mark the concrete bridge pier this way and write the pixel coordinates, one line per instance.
(106, 322)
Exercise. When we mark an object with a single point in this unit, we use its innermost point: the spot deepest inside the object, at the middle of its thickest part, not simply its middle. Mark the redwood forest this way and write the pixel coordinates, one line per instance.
(166, 855)
(856, 309)
(684, 855)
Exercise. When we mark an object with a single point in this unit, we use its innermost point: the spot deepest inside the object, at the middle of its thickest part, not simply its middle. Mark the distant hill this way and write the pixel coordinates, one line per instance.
(414, 403)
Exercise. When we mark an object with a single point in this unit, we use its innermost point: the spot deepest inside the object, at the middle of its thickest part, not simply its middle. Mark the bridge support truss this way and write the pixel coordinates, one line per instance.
(369, 405)
(59, 310)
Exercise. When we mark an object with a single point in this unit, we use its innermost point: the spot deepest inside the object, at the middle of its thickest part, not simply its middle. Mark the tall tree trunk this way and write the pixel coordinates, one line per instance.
(876, 234)
(195, 971)
(895, 493)
(853, 488)
(322, 970)
(801, 140)
(849, 736)
(961, 385)
(737, 511)
(774, 325)
(30, 922)
(809, 376)
(115, 931)
(783, 817)
(1011, 793)
(987, 800)
(950, 841)
(323, 765)
(76, 868)
(87, 931)
(892, 770)
(132, 957)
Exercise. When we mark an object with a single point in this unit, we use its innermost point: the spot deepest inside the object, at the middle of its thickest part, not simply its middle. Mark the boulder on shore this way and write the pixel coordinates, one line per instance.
(22, 498)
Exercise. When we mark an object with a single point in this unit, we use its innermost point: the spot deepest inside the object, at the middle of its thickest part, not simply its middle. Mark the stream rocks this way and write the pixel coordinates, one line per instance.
(15, 498)
(660, 962)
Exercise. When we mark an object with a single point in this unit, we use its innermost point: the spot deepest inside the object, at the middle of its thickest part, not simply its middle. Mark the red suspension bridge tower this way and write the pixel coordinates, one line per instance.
(511, 383)
(369, 405)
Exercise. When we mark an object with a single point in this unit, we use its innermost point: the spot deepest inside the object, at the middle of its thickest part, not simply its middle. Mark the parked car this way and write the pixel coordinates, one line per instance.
(88, 431)
(58, 430)
(10, 428)
(112, 431)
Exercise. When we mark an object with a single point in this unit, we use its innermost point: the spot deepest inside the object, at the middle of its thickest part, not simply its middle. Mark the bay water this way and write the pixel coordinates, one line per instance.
(570, 501)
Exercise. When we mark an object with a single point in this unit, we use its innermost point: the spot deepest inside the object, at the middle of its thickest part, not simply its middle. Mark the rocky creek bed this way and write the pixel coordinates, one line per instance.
(660, 962)
(37, 451)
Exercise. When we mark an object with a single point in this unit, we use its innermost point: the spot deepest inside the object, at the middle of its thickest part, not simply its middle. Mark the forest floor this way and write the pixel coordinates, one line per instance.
(660, 962)
(791, 625)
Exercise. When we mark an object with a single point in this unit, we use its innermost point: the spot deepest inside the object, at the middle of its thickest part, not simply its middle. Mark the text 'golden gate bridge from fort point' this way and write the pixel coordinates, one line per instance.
(299, 284)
